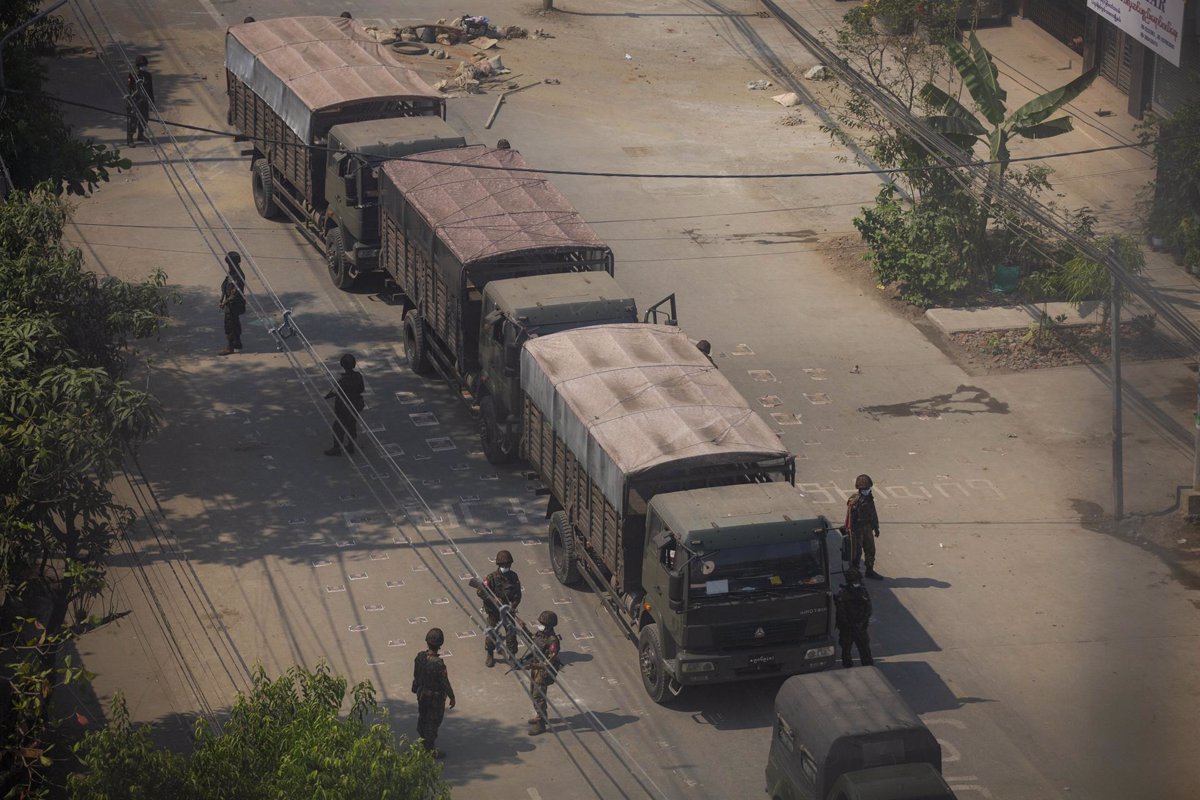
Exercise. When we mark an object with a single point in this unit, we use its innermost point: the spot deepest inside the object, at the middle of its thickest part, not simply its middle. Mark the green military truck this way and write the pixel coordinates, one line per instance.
(489, 257)
(848, 735)
(322, 103)
(676, 504)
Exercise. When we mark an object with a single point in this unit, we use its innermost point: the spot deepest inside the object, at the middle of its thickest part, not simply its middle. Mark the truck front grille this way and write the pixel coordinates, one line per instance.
(744, 635)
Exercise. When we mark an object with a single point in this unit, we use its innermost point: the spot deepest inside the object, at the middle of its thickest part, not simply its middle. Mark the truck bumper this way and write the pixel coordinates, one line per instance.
(691, 669)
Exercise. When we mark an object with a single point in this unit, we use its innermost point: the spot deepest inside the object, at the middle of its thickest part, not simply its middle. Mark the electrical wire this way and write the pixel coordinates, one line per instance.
(1140, 146)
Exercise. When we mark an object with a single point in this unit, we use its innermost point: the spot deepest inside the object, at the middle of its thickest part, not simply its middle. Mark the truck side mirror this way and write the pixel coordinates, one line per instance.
(675, 590)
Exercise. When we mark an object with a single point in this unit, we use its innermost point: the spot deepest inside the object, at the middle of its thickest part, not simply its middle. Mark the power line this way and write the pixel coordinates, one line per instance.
(654, 175)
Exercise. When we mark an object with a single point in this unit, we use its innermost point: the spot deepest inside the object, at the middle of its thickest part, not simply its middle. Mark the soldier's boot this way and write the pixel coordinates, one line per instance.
(537, 726)
(871, 573)
(490, 661)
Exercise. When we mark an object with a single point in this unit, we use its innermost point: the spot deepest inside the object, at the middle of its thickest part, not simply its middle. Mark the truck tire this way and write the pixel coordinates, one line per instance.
(497, 447)
(263, 189)
(335, 255)
(415, 346)
(654, 670)
(562, 549)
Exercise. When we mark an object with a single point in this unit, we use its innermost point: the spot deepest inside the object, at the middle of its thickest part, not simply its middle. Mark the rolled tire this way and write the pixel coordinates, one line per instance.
(562, 549)
(415, 346)
(410, 48)
(335, 254)
(653, 669)
(263, 189)
(497, 448)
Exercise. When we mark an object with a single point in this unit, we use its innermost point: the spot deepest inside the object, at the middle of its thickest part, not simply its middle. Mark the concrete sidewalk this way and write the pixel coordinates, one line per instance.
(1004, 318)
(1111, 183)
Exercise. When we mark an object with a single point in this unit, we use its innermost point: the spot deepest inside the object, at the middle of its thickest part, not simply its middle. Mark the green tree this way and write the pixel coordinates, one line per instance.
(68, 417)
(284, 739)
(36, 144)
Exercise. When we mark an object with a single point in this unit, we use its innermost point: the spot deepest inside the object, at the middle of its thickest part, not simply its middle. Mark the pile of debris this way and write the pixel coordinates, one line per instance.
(468, 29)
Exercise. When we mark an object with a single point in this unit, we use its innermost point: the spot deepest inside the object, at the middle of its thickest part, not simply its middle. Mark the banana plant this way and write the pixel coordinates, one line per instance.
(979, 74)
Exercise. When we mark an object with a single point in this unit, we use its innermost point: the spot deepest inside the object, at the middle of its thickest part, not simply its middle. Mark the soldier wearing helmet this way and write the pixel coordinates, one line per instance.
(862, 525)
(139, 94)
(347, 404)
(431, 685)
(501, 594)
(543, 661)
(853, 604)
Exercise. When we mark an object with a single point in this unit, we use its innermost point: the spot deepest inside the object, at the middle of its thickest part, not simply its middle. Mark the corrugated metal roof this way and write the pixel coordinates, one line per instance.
(480, 213)
(319, 62)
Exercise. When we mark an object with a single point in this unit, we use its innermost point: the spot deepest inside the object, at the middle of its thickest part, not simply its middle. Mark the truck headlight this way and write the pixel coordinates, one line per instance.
(702, 666)
(819, 652)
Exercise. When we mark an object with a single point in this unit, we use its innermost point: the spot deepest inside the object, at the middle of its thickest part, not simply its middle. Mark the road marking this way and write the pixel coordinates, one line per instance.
(212, 12)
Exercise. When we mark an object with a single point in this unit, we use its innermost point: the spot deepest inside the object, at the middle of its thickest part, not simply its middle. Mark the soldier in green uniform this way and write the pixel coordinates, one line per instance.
(853, 616)
(499, 589)
(862, 525)
(542, 660)
(431, 685)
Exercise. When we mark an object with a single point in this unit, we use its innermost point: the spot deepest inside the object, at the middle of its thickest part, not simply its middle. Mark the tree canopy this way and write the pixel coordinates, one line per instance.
(284, 739)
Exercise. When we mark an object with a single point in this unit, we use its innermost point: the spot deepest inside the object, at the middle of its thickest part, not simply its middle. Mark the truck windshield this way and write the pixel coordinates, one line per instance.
(758, 568)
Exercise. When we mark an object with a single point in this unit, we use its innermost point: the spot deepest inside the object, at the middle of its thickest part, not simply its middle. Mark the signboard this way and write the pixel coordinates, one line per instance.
(1158, 24)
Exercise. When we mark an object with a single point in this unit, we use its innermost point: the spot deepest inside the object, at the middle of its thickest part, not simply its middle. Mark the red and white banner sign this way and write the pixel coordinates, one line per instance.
(1158, 24)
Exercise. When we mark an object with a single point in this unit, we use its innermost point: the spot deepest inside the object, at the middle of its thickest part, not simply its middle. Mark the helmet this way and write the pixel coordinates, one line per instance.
(345, 15)
(863, 482)
(503, 144)
(435, 638)
(248, 20)
(853, 575)
(141, 61)
(704, 346)
(234, 256)
(504, 559)
(548, 618)
(348, 361)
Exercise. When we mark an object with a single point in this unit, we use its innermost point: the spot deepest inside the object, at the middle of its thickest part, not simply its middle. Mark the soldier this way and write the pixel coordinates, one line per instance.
(431, 685)
(501, 588)
(348, 399)
(233, 302)
(543, 662)
(853, 617)
(139, 95)
(862, 525)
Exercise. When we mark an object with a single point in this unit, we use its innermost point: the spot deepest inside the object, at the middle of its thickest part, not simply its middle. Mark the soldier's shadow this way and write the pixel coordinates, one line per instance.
(591, 721)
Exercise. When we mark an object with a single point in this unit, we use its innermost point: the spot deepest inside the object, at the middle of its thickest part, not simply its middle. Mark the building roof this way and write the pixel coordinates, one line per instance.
(484, 213)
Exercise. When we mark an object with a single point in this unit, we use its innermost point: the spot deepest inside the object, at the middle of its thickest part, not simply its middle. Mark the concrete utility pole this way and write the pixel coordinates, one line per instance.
(1118, 472)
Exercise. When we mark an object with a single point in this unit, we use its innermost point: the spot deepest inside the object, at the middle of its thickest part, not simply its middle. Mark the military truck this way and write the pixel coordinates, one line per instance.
(676, 504)
(848, 735)
(322, 103)
(488, 257)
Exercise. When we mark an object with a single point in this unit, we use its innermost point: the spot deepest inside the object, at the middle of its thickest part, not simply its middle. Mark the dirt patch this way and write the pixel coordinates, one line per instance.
(1037, 347)
(1176, 539)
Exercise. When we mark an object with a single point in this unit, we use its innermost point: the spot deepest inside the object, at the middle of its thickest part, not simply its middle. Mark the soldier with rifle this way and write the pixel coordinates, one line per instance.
(431, 685)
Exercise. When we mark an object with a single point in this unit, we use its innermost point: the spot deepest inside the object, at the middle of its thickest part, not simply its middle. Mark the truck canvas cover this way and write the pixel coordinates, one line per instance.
(630, 398)
(301, 66)
(485, 213)
(853, 719)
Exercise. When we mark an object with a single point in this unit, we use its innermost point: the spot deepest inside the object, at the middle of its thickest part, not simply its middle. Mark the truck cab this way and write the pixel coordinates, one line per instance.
(517, 309)
(352, 184)
(849, 735)
(738, 584)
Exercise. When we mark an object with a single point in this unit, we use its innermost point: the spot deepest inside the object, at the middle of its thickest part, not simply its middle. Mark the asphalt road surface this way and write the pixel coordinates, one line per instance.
(1050, 660)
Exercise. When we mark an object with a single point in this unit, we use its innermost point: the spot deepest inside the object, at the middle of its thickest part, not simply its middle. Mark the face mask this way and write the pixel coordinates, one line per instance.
(541, 628)
(865, 492)
(505, 569)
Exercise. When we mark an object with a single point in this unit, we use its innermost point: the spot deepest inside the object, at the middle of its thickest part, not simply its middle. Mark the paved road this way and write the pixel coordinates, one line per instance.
(1050, 660)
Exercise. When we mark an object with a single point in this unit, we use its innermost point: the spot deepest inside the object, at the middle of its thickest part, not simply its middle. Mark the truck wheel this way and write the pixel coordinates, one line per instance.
(264, 190)
(335, 255)
(654, 671)
(415, 346)
(497, 447)
(562, 549)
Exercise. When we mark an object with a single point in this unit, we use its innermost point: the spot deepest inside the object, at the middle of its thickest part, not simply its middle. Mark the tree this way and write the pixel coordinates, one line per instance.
(283, 739)
(36, 143)
(68, 418)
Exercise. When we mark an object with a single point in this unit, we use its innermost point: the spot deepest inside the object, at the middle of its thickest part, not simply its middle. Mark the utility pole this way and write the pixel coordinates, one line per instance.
(1118, 472)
